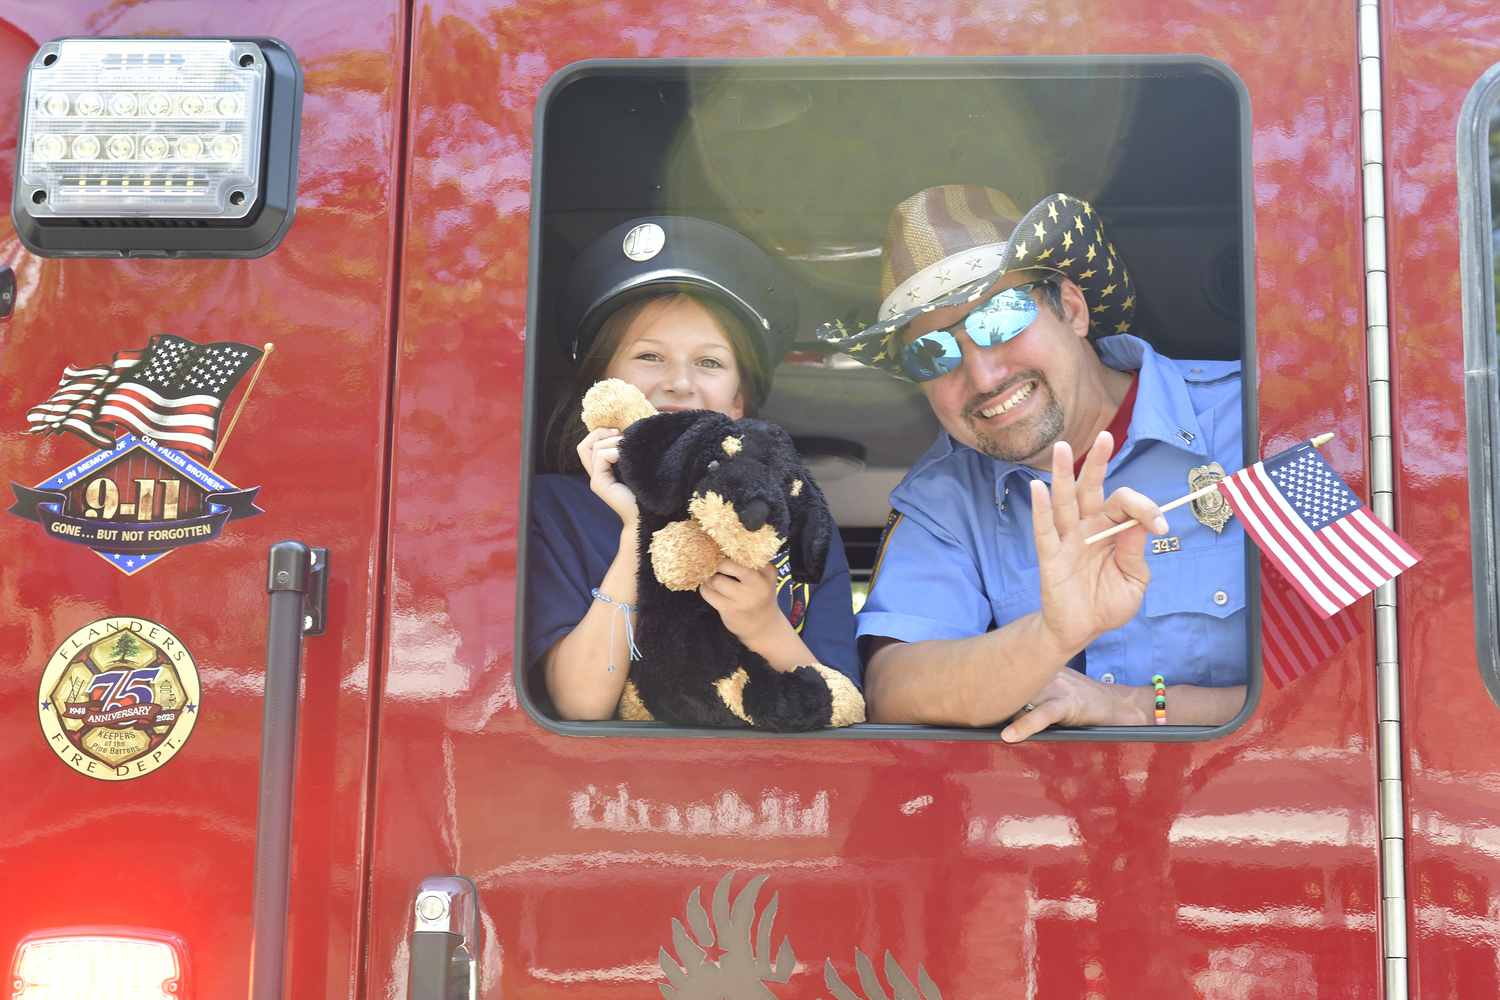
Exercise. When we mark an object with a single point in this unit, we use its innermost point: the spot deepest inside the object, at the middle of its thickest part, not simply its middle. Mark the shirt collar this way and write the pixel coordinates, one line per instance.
(1163, 410)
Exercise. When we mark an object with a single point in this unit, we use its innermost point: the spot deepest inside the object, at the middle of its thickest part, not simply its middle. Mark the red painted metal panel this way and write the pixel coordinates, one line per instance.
(1218, 869)
(1435, 51)
(174, 849)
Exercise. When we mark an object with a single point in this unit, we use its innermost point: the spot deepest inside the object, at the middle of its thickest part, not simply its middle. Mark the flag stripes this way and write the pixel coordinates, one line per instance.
(1293, 638)
(74, 406)
(170, 391)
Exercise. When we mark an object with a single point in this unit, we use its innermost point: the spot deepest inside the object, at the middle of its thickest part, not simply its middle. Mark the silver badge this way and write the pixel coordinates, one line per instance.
(644, 241)
(1211, 508)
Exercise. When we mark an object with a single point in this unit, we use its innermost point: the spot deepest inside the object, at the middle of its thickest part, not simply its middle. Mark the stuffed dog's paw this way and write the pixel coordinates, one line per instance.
(683, 556)
(615, 403)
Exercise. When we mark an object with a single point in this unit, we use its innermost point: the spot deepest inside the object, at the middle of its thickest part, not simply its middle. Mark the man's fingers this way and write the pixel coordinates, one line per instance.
(1125, 503)
(1130, 554)
(1028, 724)
(1064, 494)
(1090, 488)
(1042, 527)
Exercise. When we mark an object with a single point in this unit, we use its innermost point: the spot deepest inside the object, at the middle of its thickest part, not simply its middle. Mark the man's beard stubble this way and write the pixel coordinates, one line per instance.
(1023, 441)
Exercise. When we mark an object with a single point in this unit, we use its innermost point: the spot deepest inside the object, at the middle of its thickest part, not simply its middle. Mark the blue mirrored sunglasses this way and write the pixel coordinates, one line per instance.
(993, 321)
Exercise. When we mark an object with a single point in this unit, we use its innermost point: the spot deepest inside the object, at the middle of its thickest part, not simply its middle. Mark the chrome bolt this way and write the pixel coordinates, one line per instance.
(432, 906)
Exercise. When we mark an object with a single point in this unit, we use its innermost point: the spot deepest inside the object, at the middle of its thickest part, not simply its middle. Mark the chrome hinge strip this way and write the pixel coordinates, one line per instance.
(1391, 798)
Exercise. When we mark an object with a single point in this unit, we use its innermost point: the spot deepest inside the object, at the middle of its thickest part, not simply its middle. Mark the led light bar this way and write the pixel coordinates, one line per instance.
(158, 147)
(100, 963)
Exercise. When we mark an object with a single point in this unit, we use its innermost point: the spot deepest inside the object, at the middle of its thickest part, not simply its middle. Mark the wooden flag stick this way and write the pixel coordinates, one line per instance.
(241, 408)
(1317, 442)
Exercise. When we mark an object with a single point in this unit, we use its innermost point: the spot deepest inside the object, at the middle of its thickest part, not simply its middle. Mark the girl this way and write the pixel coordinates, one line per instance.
(668, 305)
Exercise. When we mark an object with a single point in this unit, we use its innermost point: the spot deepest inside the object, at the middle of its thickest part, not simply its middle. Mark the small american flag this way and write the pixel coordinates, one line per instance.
(171, 391)
(1320, 536)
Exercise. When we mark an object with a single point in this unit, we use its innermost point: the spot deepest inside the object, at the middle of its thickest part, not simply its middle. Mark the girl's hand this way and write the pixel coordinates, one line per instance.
(599, 452)
(745, 600)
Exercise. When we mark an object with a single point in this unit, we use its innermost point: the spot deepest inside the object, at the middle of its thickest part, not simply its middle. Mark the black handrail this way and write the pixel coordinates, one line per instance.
(288, 578)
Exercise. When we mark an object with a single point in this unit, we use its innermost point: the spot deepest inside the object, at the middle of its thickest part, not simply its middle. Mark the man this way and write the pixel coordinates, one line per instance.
(985, 592)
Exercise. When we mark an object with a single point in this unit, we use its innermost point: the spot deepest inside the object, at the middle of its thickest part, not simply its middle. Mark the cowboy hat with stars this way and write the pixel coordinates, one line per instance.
(948, 245)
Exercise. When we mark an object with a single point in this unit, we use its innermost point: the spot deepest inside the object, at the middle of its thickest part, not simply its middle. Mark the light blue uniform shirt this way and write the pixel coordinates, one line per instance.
(959, 560)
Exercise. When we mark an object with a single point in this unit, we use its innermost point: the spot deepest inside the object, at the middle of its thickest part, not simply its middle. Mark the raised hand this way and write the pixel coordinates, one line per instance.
(1089, 589)
(599, 451)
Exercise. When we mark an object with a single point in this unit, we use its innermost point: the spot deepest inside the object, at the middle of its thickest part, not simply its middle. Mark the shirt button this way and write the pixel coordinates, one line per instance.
(1108, 678)
(1196, 371)
(1221, 598)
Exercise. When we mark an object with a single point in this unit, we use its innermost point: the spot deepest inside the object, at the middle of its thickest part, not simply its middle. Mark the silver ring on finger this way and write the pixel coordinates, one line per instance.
(1028, 707)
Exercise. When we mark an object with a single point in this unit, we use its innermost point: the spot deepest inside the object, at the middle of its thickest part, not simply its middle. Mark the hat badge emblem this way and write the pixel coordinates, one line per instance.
(644, 241)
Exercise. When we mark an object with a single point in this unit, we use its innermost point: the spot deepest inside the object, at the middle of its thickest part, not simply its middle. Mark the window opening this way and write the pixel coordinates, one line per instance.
(807, 158)
(1479, 251)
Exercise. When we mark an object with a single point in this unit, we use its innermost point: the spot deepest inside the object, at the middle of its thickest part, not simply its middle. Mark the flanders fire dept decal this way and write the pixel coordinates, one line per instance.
(119, 698)
(153, 490)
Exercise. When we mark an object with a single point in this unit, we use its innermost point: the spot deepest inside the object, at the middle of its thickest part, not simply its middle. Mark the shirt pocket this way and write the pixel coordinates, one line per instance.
(1195, 603)
(1022, 596)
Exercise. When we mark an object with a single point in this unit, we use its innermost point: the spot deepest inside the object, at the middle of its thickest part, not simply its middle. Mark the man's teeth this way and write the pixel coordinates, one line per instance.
(1015, 398)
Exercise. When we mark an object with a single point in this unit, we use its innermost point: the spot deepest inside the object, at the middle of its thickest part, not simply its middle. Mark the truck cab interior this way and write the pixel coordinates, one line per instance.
(807, 158)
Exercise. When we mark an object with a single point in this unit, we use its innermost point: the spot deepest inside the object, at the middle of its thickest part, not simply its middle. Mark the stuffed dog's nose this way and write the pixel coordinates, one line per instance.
(754, 514)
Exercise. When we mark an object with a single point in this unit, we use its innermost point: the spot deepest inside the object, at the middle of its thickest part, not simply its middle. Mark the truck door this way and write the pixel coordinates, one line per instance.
(901, 861)
(1442, 151)
(134, 623)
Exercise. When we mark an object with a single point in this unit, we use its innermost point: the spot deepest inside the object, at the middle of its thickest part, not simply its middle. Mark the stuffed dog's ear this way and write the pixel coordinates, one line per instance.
(661, 457)
(812, 531)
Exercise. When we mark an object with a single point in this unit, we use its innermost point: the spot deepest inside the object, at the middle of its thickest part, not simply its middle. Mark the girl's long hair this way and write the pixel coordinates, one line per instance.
(565, 428)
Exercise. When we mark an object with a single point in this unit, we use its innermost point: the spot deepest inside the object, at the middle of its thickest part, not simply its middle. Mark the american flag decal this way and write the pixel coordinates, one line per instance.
(1323, 539)
(170, 391)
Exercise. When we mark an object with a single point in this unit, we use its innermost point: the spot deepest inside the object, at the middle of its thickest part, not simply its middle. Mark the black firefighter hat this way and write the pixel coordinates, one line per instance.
(675, 253)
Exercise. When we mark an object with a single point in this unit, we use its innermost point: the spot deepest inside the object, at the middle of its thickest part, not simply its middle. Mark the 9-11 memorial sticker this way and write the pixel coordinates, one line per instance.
(153, 490)
(119, 698)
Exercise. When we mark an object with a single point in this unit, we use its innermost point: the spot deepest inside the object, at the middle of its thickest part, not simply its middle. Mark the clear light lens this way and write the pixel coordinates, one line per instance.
(96, 968)
(146, 92)
(51, 147)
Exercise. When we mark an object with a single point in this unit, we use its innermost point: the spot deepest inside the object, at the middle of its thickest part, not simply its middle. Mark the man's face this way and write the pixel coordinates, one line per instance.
(1012, 401)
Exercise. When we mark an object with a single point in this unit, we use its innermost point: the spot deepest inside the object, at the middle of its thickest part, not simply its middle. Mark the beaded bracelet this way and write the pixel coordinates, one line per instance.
(1160, 683)
(635, 654)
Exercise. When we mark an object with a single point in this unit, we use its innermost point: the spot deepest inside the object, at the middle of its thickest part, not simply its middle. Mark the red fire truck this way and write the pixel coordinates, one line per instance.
(267, 723)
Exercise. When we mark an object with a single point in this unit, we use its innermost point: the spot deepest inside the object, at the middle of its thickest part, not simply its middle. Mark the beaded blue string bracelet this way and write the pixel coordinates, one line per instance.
(635, 654)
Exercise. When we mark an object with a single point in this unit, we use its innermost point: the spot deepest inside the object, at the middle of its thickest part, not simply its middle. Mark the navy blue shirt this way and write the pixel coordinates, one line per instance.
(959, 559)
(575, 537)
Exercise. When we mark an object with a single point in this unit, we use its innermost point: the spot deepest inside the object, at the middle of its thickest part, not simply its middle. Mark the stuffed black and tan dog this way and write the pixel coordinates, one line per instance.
(708, 487)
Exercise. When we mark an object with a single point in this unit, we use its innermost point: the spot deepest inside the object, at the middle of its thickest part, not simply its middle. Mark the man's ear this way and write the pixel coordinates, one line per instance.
(660, 457)
(1075, 308)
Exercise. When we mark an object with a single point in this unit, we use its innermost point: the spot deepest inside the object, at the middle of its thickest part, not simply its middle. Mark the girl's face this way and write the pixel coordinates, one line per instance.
(677, 355)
